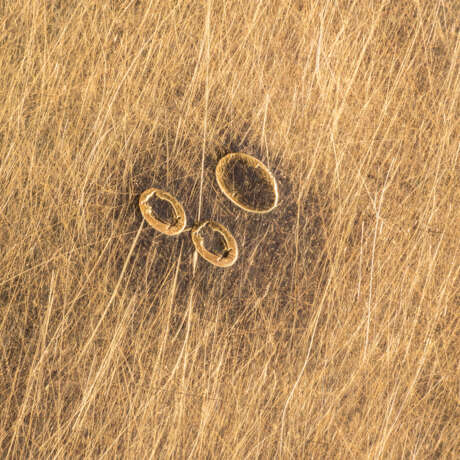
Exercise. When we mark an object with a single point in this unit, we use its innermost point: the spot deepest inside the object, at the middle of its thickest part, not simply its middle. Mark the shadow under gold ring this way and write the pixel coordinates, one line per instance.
(168, 228)
(228, 256)
(233, 195)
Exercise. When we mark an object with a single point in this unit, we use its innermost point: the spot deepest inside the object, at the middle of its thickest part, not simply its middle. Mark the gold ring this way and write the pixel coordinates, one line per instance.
(228, 256)
(229, 189)
(169, 228)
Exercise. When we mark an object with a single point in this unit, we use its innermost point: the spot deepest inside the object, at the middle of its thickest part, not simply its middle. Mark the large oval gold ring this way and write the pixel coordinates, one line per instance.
(169, 228)
(228, 256)
(230, 191)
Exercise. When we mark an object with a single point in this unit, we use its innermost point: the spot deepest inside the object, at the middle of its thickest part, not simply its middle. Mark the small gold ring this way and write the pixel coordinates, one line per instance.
(232, 195)
(169, 228)
(230, 254)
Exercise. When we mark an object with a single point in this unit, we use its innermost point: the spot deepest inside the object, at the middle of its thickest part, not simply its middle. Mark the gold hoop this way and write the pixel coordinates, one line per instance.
(233, 195)
(230, 254)
(168, 228)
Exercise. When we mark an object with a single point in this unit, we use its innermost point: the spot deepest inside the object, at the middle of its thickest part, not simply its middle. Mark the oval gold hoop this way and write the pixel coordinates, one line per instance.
(228, 257)
(251, 162)
(168, 228)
